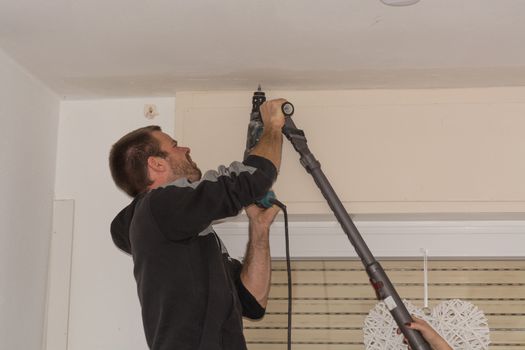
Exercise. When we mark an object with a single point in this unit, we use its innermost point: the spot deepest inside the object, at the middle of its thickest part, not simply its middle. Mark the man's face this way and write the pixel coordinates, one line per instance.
(178, 158)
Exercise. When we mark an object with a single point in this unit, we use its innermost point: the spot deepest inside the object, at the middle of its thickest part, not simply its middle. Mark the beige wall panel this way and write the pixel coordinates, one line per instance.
(402, 151)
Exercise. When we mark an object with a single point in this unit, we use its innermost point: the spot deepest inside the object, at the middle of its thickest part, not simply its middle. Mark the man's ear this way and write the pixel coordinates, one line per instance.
(156, 164)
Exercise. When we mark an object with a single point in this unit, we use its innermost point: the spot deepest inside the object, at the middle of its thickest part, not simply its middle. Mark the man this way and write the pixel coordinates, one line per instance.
(192, 294)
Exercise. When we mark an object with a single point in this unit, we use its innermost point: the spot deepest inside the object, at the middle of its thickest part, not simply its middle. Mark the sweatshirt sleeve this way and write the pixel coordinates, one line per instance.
(250, 306)
(183, 209)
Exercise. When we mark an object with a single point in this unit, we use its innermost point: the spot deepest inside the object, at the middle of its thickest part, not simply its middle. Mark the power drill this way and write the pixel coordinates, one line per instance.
(255, 130)
(256, 126)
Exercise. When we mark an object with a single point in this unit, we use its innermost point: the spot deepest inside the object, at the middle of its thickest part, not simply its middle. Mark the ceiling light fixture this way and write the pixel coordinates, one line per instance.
(399, 2)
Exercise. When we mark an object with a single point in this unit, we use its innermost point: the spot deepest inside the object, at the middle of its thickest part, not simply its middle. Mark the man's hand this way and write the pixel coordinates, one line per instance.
(272, 114)
(261, 218)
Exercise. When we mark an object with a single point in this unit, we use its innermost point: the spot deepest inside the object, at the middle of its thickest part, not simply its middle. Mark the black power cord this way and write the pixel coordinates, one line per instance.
(288, 268)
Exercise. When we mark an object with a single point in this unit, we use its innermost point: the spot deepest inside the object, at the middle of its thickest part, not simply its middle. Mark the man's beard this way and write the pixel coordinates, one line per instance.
(188, 170)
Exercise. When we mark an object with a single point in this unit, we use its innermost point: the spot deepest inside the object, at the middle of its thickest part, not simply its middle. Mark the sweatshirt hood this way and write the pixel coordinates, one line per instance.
(120, 227)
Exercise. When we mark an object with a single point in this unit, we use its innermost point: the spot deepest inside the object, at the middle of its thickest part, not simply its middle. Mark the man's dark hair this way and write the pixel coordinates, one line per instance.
(128, 159)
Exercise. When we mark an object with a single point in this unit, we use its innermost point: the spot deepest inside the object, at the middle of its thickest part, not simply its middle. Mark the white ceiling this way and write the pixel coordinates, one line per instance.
(108, 48)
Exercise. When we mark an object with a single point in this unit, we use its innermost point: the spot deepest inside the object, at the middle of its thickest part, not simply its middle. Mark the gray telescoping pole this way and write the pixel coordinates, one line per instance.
(384, 289)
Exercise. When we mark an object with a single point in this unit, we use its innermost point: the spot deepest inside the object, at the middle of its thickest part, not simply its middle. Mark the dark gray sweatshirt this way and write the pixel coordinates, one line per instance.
(189, 288)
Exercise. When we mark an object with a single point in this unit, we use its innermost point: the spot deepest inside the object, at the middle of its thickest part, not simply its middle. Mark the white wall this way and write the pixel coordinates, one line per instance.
(29, 119)
(104, 308)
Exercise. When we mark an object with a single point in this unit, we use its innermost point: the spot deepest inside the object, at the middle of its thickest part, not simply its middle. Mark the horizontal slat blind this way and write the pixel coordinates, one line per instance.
(332, 299)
